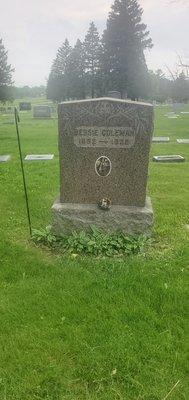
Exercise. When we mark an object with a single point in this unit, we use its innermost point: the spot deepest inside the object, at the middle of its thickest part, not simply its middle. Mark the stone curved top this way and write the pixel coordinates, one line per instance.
(107, 99)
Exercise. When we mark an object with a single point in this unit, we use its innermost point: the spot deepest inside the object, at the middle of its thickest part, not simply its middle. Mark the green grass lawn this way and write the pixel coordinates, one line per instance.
(86, 328)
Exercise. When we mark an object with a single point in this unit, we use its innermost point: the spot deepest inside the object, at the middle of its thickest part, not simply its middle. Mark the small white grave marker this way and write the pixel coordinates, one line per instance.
(169, 158)
(4, 158)
(173, 116)
(39, 157)
(160, 139)
(184, 112)
(183, 141)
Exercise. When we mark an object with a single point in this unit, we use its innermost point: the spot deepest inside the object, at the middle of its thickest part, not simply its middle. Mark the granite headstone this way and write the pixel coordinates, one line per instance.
(183, 141)
(4, 158)
(39, 157)
(104, 147)
(160, 139)
(169, 158)
(42, 111)
(25, 106)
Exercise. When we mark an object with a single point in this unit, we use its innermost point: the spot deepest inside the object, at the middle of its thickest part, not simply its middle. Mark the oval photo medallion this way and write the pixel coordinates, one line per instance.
(103, 166)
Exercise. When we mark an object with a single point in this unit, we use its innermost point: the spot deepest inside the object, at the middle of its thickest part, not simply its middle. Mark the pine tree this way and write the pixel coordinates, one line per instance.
(92, 48)
(124, 41)
(58, 85)
(76, 71)
(5, 74)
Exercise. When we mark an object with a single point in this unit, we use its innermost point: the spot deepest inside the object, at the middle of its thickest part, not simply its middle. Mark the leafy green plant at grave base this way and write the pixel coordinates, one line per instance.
(44, 236)
(94, 243)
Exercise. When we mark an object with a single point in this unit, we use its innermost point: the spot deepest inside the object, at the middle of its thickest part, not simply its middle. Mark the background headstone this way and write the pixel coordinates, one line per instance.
(4, 158)
(39, 157)
(160, 139)
(169, 158)
(171, 115)
(42, 111)
(25, 106)
(183, 141)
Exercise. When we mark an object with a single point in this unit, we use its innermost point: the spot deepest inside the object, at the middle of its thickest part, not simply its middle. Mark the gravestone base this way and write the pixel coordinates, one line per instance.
(76, 217)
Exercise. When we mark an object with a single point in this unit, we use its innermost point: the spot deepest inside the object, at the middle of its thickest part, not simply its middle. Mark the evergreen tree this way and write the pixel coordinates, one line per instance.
(76, 71)
(124, 41)
(58, 84)
(5, 75)
(92, 49)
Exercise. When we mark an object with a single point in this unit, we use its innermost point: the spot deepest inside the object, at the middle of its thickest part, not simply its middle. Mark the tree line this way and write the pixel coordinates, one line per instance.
(99, 64)
(114, 61)
(163, 89)
(28, 91)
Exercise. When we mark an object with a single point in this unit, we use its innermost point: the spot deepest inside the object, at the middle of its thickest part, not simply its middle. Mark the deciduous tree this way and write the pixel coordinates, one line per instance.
(5, 75)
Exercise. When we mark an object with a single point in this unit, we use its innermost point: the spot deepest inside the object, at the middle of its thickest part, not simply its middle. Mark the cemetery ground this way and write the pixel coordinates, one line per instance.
(80, 328)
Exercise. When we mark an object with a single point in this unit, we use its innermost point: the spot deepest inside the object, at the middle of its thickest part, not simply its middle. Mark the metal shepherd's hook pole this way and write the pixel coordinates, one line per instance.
(17, 120)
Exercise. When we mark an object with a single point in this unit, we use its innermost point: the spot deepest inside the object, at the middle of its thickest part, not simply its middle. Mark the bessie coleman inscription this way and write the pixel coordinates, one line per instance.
(110, 137)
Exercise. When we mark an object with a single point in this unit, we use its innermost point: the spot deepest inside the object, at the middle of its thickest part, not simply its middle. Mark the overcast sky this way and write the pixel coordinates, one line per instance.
(33, 30)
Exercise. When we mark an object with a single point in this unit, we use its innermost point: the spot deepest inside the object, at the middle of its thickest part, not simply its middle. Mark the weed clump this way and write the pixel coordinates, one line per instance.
(93, 243)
